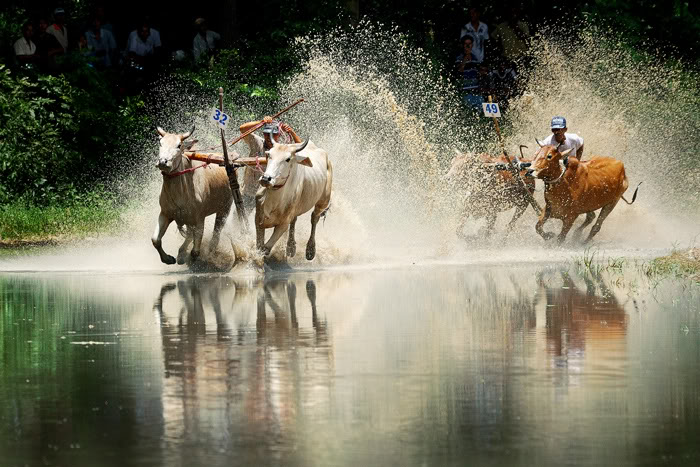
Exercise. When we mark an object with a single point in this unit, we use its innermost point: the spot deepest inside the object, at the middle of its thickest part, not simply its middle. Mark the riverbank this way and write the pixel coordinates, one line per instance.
(23, 225)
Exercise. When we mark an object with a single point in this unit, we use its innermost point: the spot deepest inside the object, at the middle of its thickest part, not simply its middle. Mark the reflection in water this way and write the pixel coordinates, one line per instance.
(252, 395)
(498, 365)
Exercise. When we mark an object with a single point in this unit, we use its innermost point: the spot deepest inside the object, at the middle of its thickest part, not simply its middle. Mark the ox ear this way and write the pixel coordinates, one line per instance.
(565, 154)
(188, 145)
(160, 131)
(303, 160)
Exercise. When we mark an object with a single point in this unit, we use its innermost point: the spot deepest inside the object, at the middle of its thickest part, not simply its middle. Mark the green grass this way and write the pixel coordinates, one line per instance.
(22, 223)
(680, 263)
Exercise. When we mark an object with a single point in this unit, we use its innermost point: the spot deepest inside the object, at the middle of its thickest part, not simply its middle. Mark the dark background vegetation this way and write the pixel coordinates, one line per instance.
(58, 132)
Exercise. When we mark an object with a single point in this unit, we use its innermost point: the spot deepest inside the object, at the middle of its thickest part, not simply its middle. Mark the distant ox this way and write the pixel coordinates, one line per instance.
(573, 188)
(490, 188)
(298, 177)
(191, 191)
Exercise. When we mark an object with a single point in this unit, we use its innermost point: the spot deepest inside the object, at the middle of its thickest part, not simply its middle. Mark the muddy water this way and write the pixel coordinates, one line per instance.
(431, 365)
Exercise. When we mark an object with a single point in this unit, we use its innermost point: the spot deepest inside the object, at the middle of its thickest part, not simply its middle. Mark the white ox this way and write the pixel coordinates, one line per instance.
(191, 191)
(298, 177)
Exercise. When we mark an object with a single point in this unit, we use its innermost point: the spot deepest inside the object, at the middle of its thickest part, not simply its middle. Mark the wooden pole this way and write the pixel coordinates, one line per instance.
(514, 170)
(231, 172)
(235, 140)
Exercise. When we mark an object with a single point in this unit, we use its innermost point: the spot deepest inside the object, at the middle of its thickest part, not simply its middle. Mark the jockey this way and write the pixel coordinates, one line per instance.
(281, 133)
(562, 140)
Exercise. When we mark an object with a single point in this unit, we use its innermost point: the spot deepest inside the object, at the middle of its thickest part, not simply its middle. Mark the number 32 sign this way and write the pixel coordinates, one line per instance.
(491, 110)
(219, 118)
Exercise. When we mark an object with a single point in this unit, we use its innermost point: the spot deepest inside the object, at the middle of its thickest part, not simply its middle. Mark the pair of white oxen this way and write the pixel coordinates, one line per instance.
(297, 178)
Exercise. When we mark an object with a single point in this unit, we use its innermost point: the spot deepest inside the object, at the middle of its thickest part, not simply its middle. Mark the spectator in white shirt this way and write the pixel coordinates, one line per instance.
(143, 46)
(478, 30)
(205, 41)
(25, 49)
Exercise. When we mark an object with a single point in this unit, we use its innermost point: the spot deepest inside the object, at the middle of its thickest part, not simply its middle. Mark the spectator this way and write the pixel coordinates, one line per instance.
(512, 35)
(25, 49)
(478, 30)
(149, 46)
(102, 42)
(504, 81)
(468, 69)
(563, 140)
(58, 28)
(143, 44)
(47, 47)
(205, 41)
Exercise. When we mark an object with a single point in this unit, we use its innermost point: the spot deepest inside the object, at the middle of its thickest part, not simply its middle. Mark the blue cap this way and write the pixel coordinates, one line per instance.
(558, 123)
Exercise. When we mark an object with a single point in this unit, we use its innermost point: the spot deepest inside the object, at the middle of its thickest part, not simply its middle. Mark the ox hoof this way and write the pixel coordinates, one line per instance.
(292, 250)
(310, 251)
(167, 259)
(265, 251)
(548, 235)
(181, 259)
(194, 255)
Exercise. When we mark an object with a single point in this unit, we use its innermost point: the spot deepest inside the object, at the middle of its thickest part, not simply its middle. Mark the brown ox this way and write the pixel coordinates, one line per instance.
(490, 188)
(573, 188)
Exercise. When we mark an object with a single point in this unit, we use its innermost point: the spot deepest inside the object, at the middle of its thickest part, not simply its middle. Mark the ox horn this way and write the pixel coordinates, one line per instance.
(161, 131)
(521, 150)
(301, 146)
(189, 133)
(538, 142)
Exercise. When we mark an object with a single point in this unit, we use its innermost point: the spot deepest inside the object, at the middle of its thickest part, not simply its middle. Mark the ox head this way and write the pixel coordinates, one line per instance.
(172, 148)
(281, 161)
(549, 164)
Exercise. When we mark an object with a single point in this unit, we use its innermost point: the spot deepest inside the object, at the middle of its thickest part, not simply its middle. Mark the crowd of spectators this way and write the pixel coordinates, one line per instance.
(491, 61)
(47, 45)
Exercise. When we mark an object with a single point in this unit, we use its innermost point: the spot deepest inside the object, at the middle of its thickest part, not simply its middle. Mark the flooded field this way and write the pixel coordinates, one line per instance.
(524, 364)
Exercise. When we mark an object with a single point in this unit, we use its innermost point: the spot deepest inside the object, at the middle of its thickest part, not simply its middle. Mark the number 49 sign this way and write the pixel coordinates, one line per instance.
(491, 109)
(219, 118)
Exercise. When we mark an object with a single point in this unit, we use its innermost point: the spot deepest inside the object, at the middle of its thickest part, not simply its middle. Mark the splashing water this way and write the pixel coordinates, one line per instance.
(391, 122)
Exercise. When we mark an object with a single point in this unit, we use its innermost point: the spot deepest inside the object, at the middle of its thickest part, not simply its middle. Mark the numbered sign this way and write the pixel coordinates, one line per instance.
(219, 118)
(491, 109)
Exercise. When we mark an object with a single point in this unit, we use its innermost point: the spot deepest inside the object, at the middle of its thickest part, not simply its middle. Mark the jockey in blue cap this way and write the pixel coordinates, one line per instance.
(562, 140)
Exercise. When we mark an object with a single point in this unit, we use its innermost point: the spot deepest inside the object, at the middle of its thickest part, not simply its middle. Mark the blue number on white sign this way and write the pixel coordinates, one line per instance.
(491, 110)
(219, 118)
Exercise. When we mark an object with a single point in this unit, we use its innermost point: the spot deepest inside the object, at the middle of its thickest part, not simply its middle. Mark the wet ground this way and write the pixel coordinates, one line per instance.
(526, 364)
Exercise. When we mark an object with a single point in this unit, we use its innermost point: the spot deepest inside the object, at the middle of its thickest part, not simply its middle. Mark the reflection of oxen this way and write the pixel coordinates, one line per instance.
(191, 191)
(574, 315)
(298, 177)
(573, 187)
(241, 378)
(489, 188)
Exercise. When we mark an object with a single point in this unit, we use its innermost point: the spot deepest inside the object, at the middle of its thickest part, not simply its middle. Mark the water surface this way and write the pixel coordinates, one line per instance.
(432, 365)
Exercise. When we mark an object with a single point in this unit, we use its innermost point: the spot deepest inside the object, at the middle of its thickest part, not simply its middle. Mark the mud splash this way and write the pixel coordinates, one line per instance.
(391, 123)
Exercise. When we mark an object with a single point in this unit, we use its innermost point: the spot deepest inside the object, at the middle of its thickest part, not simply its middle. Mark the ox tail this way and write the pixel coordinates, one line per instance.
(634, 196)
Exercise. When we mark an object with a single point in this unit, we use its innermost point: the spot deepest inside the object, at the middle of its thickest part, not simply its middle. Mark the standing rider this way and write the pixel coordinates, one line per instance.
(562, 140)
(281, 132)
